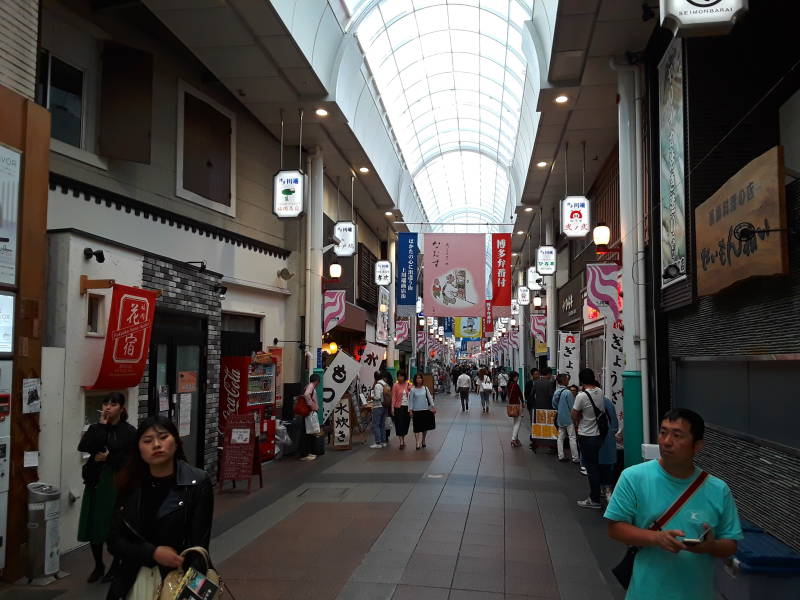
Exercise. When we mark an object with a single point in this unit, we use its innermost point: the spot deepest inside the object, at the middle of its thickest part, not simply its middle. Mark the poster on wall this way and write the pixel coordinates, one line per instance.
(31, 396)
(671, 165)
(455, 265)
(5, 389)
(569, 354)
(336, 379)
(382, 326)
(6, 323)
(10, 169)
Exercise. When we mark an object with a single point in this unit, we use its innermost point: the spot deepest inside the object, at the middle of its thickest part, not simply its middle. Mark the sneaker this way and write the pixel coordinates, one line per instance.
(589, 503)
(384, 445)
(376, 446)
(583, 471)
(309, 457)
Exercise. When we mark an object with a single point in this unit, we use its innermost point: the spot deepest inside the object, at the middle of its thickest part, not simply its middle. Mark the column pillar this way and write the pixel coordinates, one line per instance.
(391, 352)
(314, 243)
(551, 298)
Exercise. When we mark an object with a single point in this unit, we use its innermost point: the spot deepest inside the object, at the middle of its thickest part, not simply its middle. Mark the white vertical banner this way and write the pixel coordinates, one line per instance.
(336, 379)
(342, 423)
(615, 365)
(370, 362)
(569, 354)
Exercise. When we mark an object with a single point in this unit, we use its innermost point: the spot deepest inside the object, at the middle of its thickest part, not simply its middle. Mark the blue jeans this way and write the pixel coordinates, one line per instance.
(379, 424)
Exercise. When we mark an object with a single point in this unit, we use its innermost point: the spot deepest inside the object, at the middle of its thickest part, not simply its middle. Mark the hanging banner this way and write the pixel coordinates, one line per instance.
(601, 289)
(455, 266)
(421, 340)
(546, 260)
(371, 360)
(287, 194)
(539, 334)
(448, 326)
(10, 169)
(501, 274)
(671, 165)
(382, 326)
(406, 281)
(569, 350)
(400, 331)
(130, 323)
(488, 318)
(468, 327)
(333, 308)
(342, 426)
(336, 379)
(513, 339)
(615, 365)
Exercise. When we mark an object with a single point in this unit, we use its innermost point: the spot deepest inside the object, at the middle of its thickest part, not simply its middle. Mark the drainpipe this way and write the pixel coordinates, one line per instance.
(314, 259)
(636, 376)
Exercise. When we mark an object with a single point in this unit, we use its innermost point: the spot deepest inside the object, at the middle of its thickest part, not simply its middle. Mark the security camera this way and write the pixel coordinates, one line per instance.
(335, 240)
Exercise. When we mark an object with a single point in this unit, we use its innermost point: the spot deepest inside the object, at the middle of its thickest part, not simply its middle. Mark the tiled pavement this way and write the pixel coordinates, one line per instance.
(467, 518)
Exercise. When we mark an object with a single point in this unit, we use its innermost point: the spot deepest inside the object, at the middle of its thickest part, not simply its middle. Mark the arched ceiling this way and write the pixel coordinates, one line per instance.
(451, 76)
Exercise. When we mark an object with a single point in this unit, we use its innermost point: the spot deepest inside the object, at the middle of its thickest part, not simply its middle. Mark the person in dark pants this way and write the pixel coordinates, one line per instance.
(584, 416)
(309, 431)
(109, 444)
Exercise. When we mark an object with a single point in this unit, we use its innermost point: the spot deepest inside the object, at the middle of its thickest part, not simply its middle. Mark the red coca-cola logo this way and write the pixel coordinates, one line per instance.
(232, 384)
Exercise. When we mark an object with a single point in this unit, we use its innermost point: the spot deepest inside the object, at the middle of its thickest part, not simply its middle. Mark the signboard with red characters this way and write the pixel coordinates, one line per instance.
(130, 324)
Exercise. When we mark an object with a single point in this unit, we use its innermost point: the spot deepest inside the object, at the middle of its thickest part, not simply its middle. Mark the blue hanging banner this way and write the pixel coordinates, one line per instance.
(448, 325)
(406, 280)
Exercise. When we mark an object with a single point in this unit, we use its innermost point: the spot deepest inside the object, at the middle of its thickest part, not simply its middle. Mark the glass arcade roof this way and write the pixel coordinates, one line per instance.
(451, 76)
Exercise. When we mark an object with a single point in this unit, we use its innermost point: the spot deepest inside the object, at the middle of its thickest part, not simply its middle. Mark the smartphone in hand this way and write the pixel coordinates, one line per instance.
(699, 539)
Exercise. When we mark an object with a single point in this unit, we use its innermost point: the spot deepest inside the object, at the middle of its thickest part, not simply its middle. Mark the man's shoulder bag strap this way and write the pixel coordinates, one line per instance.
(683, 499)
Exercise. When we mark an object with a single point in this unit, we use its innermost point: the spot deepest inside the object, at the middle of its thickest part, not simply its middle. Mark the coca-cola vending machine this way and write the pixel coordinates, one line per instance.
(253, 384)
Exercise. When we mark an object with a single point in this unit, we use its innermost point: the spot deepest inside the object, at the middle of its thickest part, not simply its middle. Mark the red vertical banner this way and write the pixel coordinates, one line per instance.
(130, 323)
(488, 319)
(501, 274)
(234, 371)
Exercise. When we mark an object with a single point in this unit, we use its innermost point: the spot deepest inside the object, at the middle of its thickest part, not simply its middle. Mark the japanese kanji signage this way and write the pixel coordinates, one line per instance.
(383, 272)
(523, 296)
(488, 319)
(371, 360)
(130, 323)
(406, 260)
(455, 265)
(575, 216)
(342, 423)
(569, 353)
(615, 365)
(514, 307)
(534, 280)
(546, 260)
(756, 195)
(335, 381)
(501, 274)
(346, 232)
(287, 194)
(382, 325)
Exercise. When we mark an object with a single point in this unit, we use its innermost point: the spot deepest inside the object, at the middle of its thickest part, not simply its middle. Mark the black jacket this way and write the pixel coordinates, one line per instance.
(183, 520)
(118, 439)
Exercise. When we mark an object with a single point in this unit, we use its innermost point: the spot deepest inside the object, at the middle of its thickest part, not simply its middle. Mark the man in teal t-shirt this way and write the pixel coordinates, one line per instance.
(667, 568)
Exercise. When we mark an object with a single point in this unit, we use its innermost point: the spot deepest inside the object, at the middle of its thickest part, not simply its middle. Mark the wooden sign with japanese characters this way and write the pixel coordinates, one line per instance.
(753, 199)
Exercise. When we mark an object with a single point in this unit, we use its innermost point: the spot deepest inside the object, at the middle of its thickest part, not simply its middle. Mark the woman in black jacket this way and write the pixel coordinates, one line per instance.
(110, 443)
(166, 506)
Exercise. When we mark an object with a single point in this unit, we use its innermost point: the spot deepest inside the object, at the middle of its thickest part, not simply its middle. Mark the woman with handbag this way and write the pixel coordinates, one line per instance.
(109, 444)
(400, 416)
(514, 408)
(310, 421)
(423, 411)
(486, 388)
(166, 507)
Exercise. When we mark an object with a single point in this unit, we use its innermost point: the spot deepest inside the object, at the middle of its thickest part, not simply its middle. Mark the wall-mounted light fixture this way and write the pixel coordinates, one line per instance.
(335, 270)
(98, 255)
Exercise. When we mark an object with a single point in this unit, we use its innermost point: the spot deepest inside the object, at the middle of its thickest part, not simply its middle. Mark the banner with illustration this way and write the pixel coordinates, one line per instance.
(454, 274)
(406, 279)
(468, 327)
(569, 354)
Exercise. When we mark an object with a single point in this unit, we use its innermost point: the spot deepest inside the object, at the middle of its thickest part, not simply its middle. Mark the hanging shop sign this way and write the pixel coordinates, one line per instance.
(406, 281)
(539, 334)
(546, 260)
(7, 300)
(336, 379)
(701, 17)
(347, 234)
(10, 169)
(488, 318)
(455, 265)
(514, 307)
(468, 327)
(130, 323)
(382, 326)
(383, 272)
(575, 216)
(288, 191)
(740, 230)
(333, 308)
(419, 306)
(570, 301)
(671, 165)
(501, 274)
(523, 296)
(534, 280)
(569, 354)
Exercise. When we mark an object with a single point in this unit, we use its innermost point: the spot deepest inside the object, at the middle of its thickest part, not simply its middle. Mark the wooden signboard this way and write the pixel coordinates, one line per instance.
(755, 196)
(240, 456)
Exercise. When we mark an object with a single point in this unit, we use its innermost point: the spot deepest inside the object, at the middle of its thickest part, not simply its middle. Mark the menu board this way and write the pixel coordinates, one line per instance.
(239, 449)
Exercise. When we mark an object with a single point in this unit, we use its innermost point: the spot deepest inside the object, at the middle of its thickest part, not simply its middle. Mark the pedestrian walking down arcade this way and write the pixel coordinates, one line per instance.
(252, 225)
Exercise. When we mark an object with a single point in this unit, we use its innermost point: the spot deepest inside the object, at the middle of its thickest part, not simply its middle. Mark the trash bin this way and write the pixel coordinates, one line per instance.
(763, 567)
(44, 506)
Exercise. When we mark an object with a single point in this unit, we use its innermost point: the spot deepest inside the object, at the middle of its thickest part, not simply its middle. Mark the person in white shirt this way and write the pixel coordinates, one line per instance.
(502, 384)
(463, 385)
(589, 405)
(485, 389)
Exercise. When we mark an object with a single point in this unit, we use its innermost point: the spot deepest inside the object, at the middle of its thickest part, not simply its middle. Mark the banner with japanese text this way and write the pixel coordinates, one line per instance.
(569, 351)
(406, 279)
(455, 266)
(130, 323)
(335, 381)
(501, 274)
(488, 319)
(614, 367)
(371, 360)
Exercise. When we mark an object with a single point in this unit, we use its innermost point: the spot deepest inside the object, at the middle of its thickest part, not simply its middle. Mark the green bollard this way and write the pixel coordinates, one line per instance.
(632, 408)
(320, 395)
